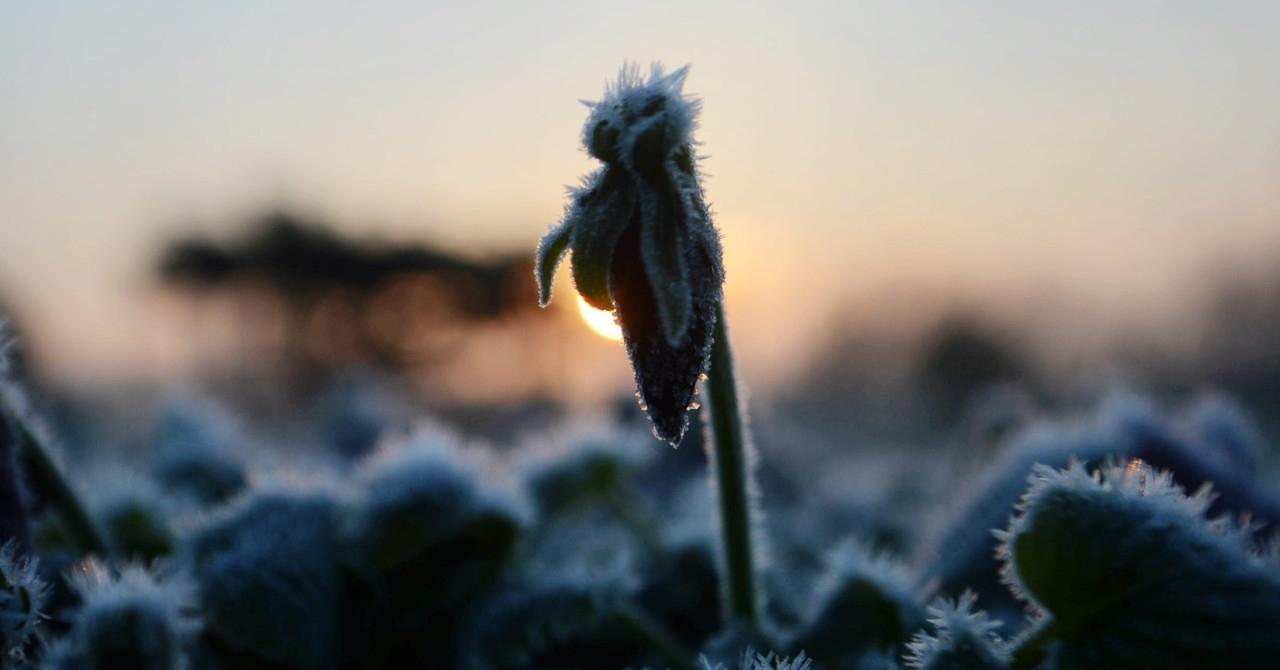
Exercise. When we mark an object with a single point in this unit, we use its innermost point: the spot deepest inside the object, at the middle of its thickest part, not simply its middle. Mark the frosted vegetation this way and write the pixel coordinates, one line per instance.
(1125, 536)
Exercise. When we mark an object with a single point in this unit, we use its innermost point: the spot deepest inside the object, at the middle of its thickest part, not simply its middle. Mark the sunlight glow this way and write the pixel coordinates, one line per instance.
(601, 322)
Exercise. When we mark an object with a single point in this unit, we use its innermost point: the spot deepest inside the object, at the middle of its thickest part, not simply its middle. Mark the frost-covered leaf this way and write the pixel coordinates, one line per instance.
(1130, 574)
(550, 250)
(130, 619)
(197, 451)
(752, 660)
(593, 473)
(267, 569)
(683, 591)
(735, 644)
(600, 214)
(877, 660)
(1226, 429)
(962, 639)
(423, 532)
(134, 516)
(862, 604)
(549, 625)
(1122, 427)
(23, 597)
(663, 233)
(357, 411)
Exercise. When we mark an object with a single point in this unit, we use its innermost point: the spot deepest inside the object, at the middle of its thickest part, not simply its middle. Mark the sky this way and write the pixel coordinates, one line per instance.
(1110, 149)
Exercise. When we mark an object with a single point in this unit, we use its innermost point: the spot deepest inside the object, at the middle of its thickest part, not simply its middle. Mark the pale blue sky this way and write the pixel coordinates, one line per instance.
(1097, 144)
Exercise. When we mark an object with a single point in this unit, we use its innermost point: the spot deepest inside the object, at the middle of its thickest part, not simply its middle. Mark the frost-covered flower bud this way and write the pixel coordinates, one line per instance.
(642, 239)
(1128, 573)
(129, 620)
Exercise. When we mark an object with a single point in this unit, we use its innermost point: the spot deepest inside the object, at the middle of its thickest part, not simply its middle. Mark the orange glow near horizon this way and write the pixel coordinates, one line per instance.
(600, 321)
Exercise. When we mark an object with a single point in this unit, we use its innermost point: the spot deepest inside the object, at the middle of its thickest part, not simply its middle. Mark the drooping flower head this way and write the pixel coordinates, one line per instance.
(642, 239)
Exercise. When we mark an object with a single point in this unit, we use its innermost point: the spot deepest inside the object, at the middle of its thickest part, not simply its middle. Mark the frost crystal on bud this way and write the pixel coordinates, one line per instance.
(642, 239)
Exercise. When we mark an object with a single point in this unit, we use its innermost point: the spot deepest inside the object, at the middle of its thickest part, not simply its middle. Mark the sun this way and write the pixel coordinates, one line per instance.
(600, 321)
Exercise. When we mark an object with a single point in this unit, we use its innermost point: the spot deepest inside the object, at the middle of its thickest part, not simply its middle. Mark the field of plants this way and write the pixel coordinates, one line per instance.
(1134, 533)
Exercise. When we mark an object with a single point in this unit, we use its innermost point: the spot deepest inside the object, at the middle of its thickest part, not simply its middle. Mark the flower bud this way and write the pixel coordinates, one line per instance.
(643, 242)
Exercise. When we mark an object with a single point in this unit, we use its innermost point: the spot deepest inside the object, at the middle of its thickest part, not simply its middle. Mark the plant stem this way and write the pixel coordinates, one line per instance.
(731, 468)
(13, 510)
(49, 483)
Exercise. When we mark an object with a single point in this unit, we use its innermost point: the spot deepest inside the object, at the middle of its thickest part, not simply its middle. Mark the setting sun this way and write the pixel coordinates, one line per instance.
(601, 322)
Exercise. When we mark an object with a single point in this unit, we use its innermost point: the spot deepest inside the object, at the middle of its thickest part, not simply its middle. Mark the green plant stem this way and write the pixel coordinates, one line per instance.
(664, 643)
(732, 471)
(44, 476)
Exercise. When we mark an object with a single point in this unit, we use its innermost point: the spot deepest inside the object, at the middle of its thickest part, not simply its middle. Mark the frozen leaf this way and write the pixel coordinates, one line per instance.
(662, 248)
(134, 516)
(752, 660)
(422, 531)
(601, 213)
(1128, 573)
(962, 639)
(269, 578)
(565, 624)
(550, 250)
(23, 597)
(197, 451)
(132, 619)
(862, 604)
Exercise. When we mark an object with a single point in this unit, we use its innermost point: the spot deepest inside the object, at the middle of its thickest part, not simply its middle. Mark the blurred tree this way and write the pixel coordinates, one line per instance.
(342, 302)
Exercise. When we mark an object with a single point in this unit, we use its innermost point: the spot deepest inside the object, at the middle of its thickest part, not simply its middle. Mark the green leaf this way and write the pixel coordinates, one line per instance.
(550, 250)
(604, 213)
